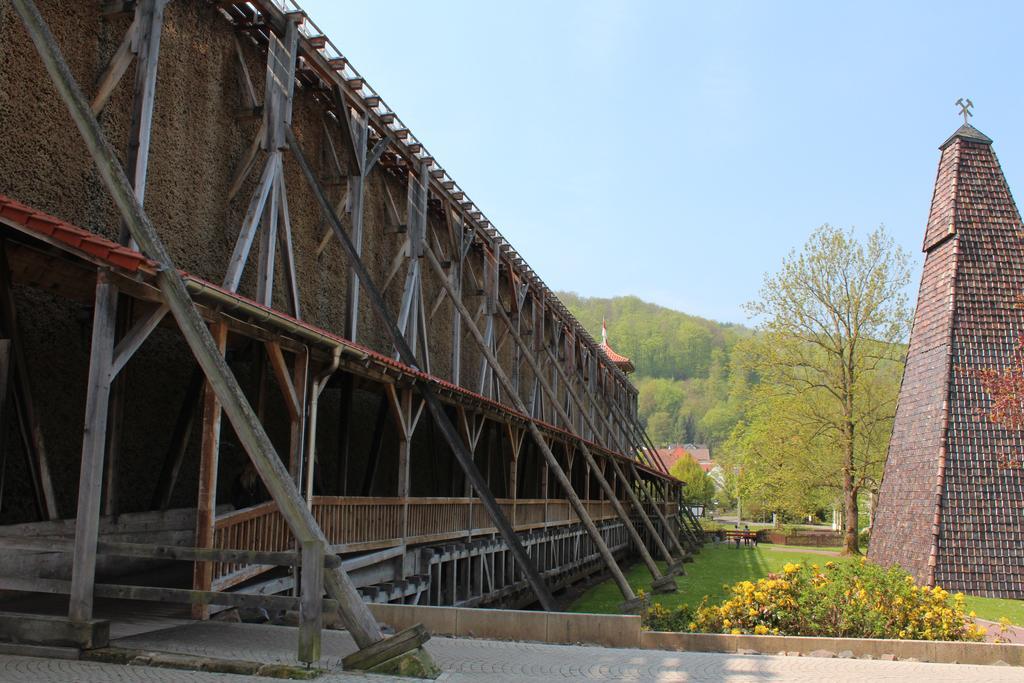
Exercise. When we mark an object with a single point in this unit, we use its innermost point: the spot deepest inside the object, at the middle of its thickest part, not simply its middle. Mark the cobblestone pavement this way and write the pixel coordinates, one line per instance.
(466, 660)
(33, 670)
(481, 660)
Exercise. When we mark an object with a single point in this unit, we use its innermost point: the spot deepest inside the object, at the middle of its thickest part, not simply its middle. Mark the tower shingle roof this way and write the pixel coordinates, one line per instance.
(947, 511)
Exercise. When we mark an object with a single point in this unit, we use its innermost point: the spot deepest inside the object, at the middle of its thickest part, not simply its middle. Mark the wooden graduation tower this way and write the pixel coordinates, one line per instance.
(269, 340)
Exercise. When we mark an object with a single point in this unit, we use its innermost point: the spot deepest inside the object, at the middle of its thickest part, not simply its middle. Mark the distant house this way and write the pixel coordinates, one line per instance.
(702, 454)
(670, 455)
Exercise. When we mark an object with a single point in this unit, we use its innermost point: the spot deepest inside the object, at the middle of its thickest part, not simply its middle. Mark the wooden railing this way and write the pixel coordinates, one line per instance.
(261, 527)
(358, 523)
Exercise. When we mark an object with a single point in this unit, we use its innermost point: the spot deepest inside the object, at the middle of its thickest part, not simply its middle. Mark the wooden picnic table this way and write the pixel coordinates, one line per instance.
(745, 535)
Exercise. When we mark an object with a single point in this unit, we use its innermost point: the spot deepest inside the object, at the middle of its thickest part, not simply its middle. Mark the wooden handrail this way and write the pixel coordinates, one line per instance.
(374, 522)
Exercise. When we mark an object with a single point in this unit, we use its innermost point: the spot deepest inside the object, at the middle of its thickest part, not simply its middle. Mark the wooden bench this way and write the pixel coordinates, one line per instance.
(738, 535)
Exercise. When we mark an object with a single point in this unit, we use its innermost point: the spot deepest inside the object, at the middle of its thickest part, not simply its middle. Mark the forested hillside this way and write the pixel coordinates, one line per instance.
(682, 365)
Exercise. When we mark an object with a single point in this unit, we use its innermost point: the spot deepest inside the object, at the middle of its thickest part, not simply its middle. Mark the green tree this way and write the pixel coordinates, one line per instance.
(660, 427)
(832, 323)
(699, 489)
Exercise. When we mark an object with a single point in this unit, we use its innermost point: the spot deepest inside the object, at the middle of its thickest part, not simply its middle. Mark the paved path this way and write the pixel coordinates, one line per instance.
(465, 660)
(809, 550)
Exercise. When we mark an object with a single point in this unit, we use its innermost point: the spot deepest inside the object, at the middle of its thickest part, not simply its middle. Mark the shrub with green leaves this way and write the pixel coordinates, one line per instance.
(845, 600)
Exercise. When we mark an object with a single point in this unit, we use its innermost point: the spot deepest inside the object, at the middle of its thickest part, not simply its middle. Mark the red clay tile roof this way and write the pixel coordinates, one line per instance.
(947, 511)
(16, 214)
(700, 454)
(624, 363)
(85, 243)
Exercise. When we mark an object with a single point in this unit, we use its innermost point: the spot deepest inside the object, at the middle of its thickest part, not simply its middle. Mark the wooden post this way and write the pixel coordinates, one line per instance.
(149, 16)
(400, 401)
(94, 443)
(311, 601)
(515, 438)
(206, 506)
(318, 385)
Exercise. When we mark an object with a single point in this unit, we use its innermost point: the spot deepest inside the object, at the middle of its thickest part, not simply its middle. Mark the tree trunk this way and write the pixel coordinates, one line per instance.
(851, 541)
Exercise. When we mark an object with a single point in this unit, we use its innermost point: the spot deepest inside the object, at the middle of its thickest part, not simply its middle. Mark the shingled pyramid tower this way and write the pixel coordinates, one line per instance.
(947, 512)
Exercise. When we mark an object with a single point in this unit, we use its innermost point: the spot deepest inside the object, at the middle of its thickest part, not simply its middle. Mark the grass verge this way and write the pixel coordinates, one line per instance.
(718, 566)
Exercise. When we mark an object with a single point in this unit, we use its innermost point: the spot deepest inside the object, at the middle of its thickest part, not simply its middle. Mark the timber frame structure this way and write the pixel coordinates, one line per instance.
(480, 448)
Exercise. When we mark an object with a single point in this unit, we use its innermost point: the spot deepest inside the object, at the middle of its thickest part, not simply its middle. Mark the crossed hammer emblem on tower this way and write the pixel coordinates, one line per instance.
(965, 105)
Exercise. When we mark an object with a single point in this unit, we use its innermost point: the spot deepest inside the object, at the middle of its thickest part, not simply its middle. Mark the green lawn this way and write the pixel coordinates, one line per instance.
(718, 565)
(714, 566)
(996, 608)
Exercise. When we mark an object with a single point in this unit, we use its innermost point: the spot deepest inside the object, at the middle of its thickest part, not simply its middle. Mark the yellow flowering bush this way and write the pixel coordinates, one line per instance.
(845, 599)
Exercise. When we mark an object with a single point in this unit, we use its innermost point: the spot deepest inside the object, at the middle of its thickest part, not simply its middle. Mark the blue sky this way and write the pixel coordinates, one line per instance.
(678, 151)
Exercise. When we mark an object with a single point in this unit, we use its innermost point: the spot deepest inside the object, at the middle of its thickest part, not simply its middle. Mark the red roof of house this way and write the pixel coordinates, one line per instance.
(700, 453)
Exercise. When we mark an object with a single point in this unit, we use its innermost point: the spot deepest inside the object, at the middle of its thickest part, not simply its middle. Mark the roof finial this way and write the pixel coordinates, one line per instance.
(965, 105)
(604, 331)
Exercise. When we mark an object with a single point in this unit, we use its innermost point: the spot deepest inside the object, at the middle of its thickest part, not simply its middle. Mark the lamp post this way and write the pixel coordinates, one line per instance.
(739, 508)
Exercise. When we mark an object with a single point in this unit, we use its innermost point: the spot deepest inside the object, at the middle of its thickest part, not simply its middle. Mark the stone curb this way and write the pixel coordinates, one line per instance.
(624, 631)
(937, 651)
(609, 630)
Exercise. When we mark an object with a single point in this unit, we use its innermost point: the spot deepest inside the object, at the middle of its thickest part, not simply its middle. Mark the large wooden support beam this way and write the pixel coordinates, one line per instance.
(434, 406)
(406, 419)
(268, 205)
(94, 445)
(311, 601)
(247, 426)
(631, 493)
(638, 541)
(209, 457)
(316, 388)
(149, 17)
(411, 315)
(542, 445)
(148, 25)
